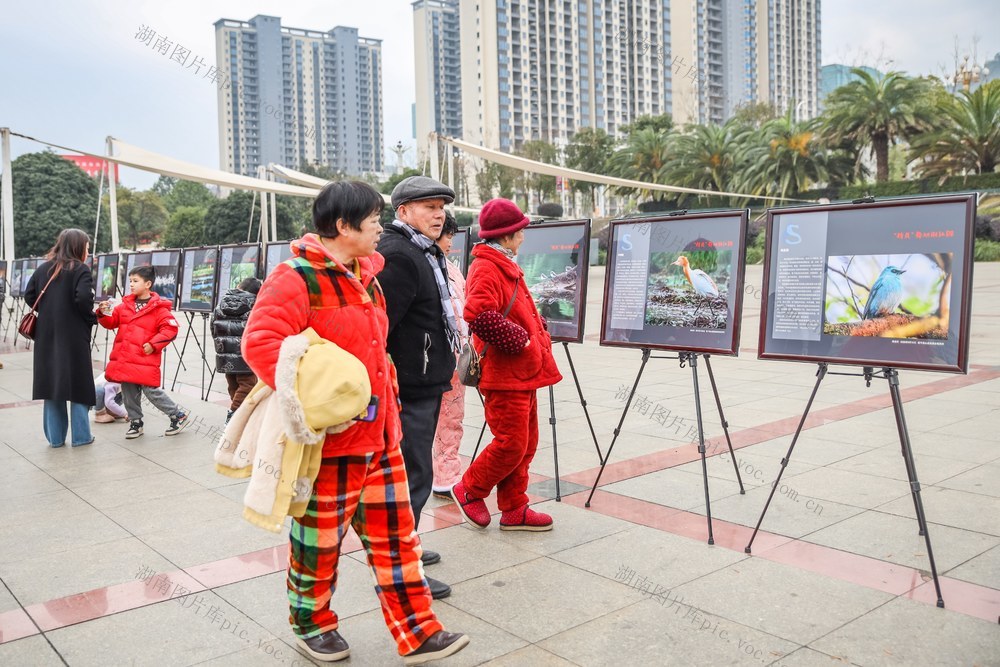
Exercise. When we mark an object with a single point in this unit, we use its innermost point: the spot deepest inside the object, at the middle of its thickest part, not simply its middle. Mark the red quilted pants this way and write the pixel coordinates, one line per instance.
(513, 419)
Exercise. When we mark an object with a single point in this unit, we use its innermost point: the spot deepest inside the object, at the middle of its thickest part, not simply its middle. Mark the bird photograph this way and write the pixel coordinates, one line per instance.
(894, 296)
(688, 289)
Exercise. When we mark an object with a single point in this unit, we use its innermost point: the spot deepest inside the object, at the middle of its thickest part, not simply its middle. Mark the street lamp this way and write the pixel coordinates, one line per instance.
(966, 74)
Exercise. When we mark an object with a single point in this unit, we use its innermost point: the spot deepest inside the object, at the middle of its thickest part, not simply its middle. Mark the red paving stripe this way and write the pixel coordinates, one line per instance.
(18, 404)
(14, 625)
(959, 596)
(656, 461)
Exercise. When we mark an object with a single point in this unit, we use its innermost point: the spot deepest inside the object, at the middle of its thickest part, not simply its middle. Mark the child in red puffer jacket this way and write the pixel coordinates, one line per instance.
(145, 326)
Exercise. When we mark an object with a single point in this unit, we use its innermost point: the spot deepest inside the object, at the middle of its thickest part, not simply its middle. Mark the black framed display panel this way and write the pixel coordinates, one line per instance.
(3, 279)
(199, 276)
(460, 247)
(237, 263)
(884, 283)
(675, 282)
(554, 257)
(106, 273)
(16, 271)
(166, 264)
(276, 253)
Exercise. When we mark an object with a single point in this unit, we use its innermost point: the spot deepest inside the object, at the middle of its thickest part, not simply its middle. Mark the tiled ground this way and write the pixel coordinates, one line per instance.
(95, 542)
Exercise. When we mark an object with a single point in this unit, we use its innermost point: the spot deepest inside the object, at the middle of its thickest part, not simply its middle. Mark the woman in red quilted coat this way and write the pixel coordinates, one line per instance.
(516, 364)
(329, 285)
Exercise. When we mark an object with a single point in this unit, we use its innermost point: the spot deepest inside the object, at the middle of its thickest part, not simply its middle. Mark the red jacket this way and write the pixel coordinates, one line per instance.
(508, 364)
(155, 324)
(344, 308)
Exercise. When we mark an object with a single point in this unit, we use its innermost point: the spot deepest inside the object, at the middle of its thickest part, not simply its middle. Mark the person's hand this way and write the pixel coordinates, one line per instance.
(104, 307)
(147, 348)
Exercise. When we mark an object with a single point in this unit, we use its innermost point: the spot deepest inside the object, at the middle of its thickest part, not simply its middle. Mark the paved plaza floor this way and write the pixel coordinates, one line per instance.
(134, 552)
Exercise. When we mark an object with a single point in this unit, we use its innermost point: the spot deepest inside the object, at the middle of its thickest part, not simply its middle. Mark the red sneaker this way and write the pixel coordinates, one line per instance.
(474, 510)
(525, 518)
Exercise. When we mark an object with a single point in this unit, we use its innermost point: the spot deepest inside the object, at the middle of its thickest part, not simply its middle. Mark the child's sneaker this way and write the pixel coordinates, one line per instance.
(177, 423)
(134, 429)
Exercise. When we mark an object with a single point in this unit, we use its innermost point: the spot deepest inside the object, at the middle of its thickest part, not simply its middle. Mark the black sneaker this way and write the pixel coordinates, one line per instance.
(134, 429)
(327, 647)
(177, 423)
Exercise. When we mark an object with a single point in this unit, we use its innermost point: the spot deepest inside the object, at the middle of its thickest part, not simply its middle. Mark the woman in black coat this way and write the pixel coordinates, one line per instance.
(62, 365)
(228, 322)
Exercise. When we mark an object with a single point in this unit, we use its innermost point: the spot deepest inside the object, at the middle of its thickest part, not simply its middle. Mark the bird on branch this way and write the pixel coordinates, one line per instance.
(885, 294)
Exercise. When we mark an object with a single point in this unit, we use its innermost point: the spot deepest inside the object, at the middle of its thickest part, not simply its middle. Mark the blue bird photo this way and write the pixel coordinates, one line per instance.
(885, 294)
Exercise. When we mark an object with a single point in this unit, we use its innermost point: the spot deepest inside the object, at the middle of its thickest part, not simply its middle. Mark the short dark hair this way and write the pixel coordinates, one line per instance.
(450, 227)
(251, 285)
(351, 201)
(147, 273)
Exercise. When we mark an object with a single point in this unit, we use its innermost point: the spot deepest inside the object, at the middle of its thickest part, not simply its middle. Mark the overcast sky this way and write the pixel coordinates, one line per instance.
(72, 71)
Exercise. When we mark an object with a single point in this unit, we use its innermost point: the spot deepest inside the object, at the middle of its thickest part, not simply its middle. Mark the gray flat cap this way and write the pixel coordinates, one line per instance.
(420, 187)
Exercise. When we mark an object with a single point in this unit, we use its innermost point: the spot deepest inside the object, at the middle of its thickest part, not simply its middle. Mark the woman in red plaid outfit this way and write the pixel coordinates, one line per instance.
(329, 285)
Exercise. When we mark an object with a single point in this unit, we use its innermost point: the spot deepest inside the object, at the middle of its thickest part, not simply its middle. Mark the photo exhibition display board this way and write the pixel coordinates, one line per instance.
(676, 282)
(554, 258)
(882, 284)
(459, 255)
(16, 271)
(236, 264)
(277, 253)
(166, 264)
(3, 279)
(199, 273)
(107, 283)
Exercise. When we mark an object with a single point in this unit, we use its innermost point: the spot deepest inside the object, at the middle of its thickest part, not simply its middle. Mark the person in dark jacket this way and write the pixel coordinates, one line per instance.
(423, 330)
(62, 367)
(228, 322)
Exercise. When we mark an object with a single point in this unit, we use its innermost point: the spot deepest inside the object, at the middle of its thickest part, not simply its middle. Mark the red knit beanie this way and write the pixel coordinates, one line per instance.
(500, 217)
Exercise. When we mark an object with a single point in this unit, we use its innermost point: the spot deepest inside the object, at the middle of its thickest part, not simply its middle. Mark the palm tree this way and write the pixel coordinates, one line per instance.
(708, 157)
(644, 157)
(969, 139)
(877, 112)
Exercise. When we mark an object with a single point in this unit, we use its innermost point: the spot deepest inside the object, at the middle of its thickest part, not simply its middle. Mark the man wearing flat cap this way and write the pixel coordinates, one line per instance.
(423, 332)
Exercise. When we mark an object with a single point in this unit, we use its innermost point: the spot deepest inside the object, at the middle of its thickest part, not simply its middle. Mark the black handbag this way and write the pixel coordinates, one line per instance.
(470, 362)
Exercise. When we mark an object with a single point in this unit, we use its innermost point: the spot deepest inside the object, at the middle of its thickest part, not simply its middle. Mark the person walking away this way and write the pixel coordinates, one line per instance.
(145, 326)
(228, 322)
(62, 373)
(519, 361)
(329, 286)
(423, 331)
(448, 437)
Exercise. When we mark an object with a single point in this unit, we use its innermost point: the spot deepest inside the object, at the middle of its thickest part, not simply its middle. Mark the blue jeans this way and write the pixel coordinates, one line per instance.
(56, 424)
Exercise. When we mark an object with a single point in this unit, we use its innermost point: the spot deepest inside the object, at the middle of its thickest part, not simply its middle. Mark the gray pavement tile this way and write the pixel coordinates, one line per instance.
(110, 471)
(654, 556)
(55, 532)
(204, 475)
(984, 569)
(163, 634)
(895, 539)
(784, 601)
(849, 488)
(807, 657)
(983, 427)
(7, 601)
(945, 444)
(810, 450)
(904, 632)
(189, 542)
(888, 462)
(234, 492)
(795, 511)
(263, 653)
(937, 413)
(674, 488)
(157, 515)
(559, 596)
(20, 478)
(529, 655)
(646, 633)
(756, 468)
(547, 489)
(984, 479)
(136, 490)
(29, 652)
(103, 451)
(574, 456)
(969, 511)
(467, 554)
(47, 576)
(572, 526)
(853, 432)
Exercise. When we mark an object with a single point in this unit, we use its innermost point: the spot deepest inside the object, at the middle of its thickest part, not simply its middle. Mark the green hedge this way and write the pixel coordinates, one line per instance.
(975, 182)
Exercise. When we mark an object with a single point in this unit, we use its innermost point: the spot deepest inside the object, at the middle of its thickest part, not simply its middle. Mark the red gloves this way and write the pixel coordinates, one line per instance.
(493, 328)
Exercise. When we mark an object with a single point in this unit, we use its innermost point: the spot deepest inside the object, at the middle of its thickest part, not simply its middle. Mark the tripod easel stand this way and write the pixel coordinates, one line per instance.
(692, 359)
(891, 375)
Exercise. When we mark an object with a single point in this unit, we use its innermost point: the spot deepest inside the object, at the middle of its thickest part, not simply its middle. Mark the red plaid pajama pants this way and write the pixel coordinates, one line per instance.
(371, 494)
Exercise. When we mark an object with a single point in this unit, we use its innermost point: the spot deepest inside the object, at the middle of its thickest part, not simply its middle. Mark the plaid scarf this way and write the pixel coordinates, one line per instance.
(437, 261)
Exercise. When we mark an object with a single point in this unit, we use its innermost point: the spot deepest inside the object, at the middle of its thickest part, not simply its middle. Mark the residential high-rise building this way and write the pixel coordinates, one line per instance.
(540, 69)
(744, 52)
(298, 97)
(437, 59)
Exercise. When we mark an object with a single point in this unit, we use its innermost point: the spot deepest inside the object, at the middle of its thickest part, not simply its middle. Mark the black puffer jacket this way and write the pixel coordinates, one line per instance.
(228, 322)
